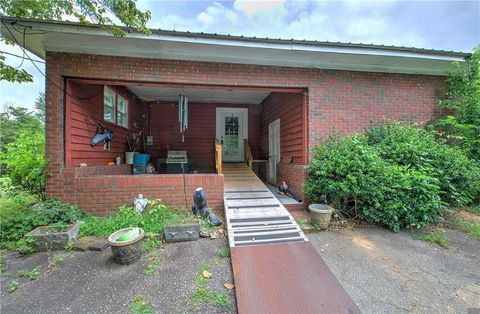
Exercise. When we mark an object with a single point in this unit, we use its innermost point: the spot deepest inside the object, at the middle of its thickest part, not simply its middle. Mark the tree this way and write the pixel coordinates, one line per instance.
(22, 146)
(40, 107)
(85, 11)
(14, 120)
(462, 95)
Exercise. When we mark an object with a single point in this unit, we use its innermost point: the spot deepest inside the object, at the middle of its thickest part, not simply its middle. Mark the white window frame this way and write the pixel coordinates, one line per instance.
(115, 101)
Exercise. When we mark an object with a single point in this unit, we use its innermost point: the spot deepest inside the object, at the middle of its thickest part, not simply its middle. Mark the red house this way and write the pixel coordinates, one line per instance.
(269, 100)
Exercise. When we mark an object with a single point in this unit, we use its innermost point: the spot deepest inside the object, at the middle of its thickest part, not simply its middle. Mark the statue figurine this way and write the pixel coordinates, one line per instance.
(139, 204)
(200, 208)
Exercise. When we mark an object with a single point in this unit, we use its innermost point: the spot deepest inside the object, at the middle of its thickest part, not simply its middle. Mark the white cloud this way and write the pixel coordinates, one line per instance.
(252, 7)
(217, 12)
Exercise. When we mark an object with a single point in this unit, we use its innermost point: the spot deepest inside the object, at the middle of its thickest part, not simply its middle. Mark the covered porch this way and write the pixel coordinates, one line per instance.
(264, 128)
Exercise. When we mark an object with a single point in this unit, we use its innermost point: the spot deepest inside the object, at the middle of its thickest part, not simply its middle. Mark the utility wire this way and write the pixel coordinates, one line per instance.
(19, 56)
(46, 77)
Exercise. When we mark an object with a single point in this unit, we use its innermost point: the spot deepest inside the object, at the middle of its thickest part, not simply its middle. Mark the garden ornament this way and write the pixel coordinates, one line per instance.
(139, 204)
(200, 208)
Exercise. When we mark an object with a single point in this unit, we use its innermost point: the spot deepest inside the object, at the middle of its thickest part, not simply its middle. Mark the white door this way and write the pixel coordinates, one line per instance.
(231, 131)
(273, 150)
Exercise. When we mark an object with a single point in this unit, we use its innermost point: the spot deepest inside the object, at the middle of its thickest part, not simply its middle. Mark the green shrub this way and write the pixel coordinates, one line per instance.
(458, 176)
(18, 217)
(353, 177)
(151, 220)
(343, 172)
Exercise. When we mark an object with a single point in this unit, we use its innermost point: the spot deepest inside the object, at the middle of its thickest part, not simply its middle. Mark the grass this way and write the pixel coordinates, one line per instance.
(140, 306)
(152, 266)
(32, 275)
(200, 279)
(437, 236)
(468, 227)
(203, 295)
(302, 222)
(200, 296)
(224, 252)
(220, 299)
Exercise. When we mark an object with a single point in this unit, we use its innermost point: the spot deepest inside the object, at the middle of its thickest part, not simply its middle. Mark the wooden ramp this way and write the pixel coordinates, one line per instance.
(275, 267)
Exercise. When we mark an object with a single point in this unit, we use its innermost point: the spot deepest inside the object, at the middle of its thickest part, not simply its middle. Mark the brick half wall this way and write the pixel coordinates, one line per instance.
(102, 194)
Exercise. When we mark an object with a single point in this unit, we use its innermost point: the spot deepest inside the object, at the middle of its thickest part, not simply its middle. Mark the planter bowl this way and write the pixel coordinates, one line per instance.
(126, 252)
(45, 239)
(321, 214)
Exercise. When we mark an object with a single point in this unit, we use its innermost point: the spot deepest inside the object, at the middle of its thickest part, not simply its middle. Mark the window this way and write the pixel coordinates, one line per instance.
(115, 108)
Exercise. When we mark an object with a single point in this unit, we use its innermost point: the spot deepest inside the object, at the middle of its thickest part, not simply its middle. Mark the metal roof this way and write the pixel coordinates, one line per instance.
(76, 37)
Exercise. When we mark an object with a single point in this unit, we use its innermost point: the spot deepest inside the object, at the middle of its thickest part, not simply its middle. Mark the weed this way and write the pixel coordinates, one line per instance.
(302, 222)
(13, 286)
(224, 252)
(315, 228)
(220, 299)
(58, 259)
(151, 220)
(473, 209)
(32, 275)
(152, 266)
(2, 268)
(70, 246)
(24, 246)
(151, 242)
(437, 236)
(200, 279)
(140, 306)
(200, 296)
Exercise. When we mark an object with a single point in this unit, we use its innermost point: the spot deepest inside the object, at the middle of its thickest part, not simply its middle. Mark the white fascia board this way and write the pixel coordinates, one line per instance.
(97, 31)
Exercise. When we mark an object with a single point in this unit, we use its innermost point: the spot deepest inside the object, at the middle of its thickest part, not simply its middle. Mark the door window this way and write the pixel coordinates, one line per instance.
(230, 140)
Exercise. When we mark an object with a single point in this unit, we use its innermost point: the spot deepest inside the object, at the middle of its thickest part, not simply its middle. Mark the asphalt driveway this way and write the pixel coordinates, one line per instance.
(384, 272)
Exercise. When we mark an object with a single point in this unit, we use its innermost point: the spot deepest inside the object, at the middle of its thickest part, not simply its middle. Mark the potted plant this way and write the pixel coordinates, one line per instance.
(126, 245)
(321, 215)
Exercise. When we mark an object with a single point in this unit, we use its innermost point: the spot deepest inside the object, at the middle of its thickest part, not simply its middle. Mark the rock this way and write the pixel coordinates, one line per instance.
(99, 245)
(213, 235)
(91, 243)
(204, 234)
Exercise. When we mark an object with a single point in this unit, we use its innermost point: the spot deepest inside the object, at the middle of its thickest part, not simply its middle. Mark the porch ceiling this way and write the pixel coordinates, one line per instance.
(199, 95)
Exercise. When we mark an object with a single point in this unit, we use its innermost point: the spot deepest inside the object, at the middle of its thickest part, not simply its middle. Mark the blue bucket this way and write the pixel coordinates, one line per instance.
(141, 159)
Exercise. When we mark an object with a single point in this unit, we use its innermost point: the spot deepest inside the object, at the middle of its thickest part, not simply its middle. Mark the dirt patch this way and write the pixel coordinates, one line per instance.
(468, 216)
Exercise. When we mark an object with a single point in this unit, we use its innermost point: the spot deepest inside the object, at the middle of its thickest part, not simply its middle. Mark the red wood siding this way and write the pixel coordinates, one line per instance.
(287, 108)
(85, 103)
(200, 135)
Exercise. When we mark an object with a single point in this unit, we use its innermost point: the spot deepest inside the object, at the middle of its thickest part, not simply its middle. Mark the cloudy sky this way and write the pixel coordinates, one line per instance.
(446, 25)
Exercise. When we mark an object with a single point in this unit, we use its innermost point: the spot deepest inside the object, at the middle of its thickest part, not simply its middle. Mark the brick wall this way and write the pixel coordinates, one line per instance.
(101, 194)
(344, 101)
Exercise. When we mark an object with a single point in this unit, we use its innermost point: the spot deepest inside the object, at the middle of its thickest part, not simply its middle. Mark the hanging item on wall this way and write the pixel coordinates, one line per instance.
(183, 114)
(105, 136)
